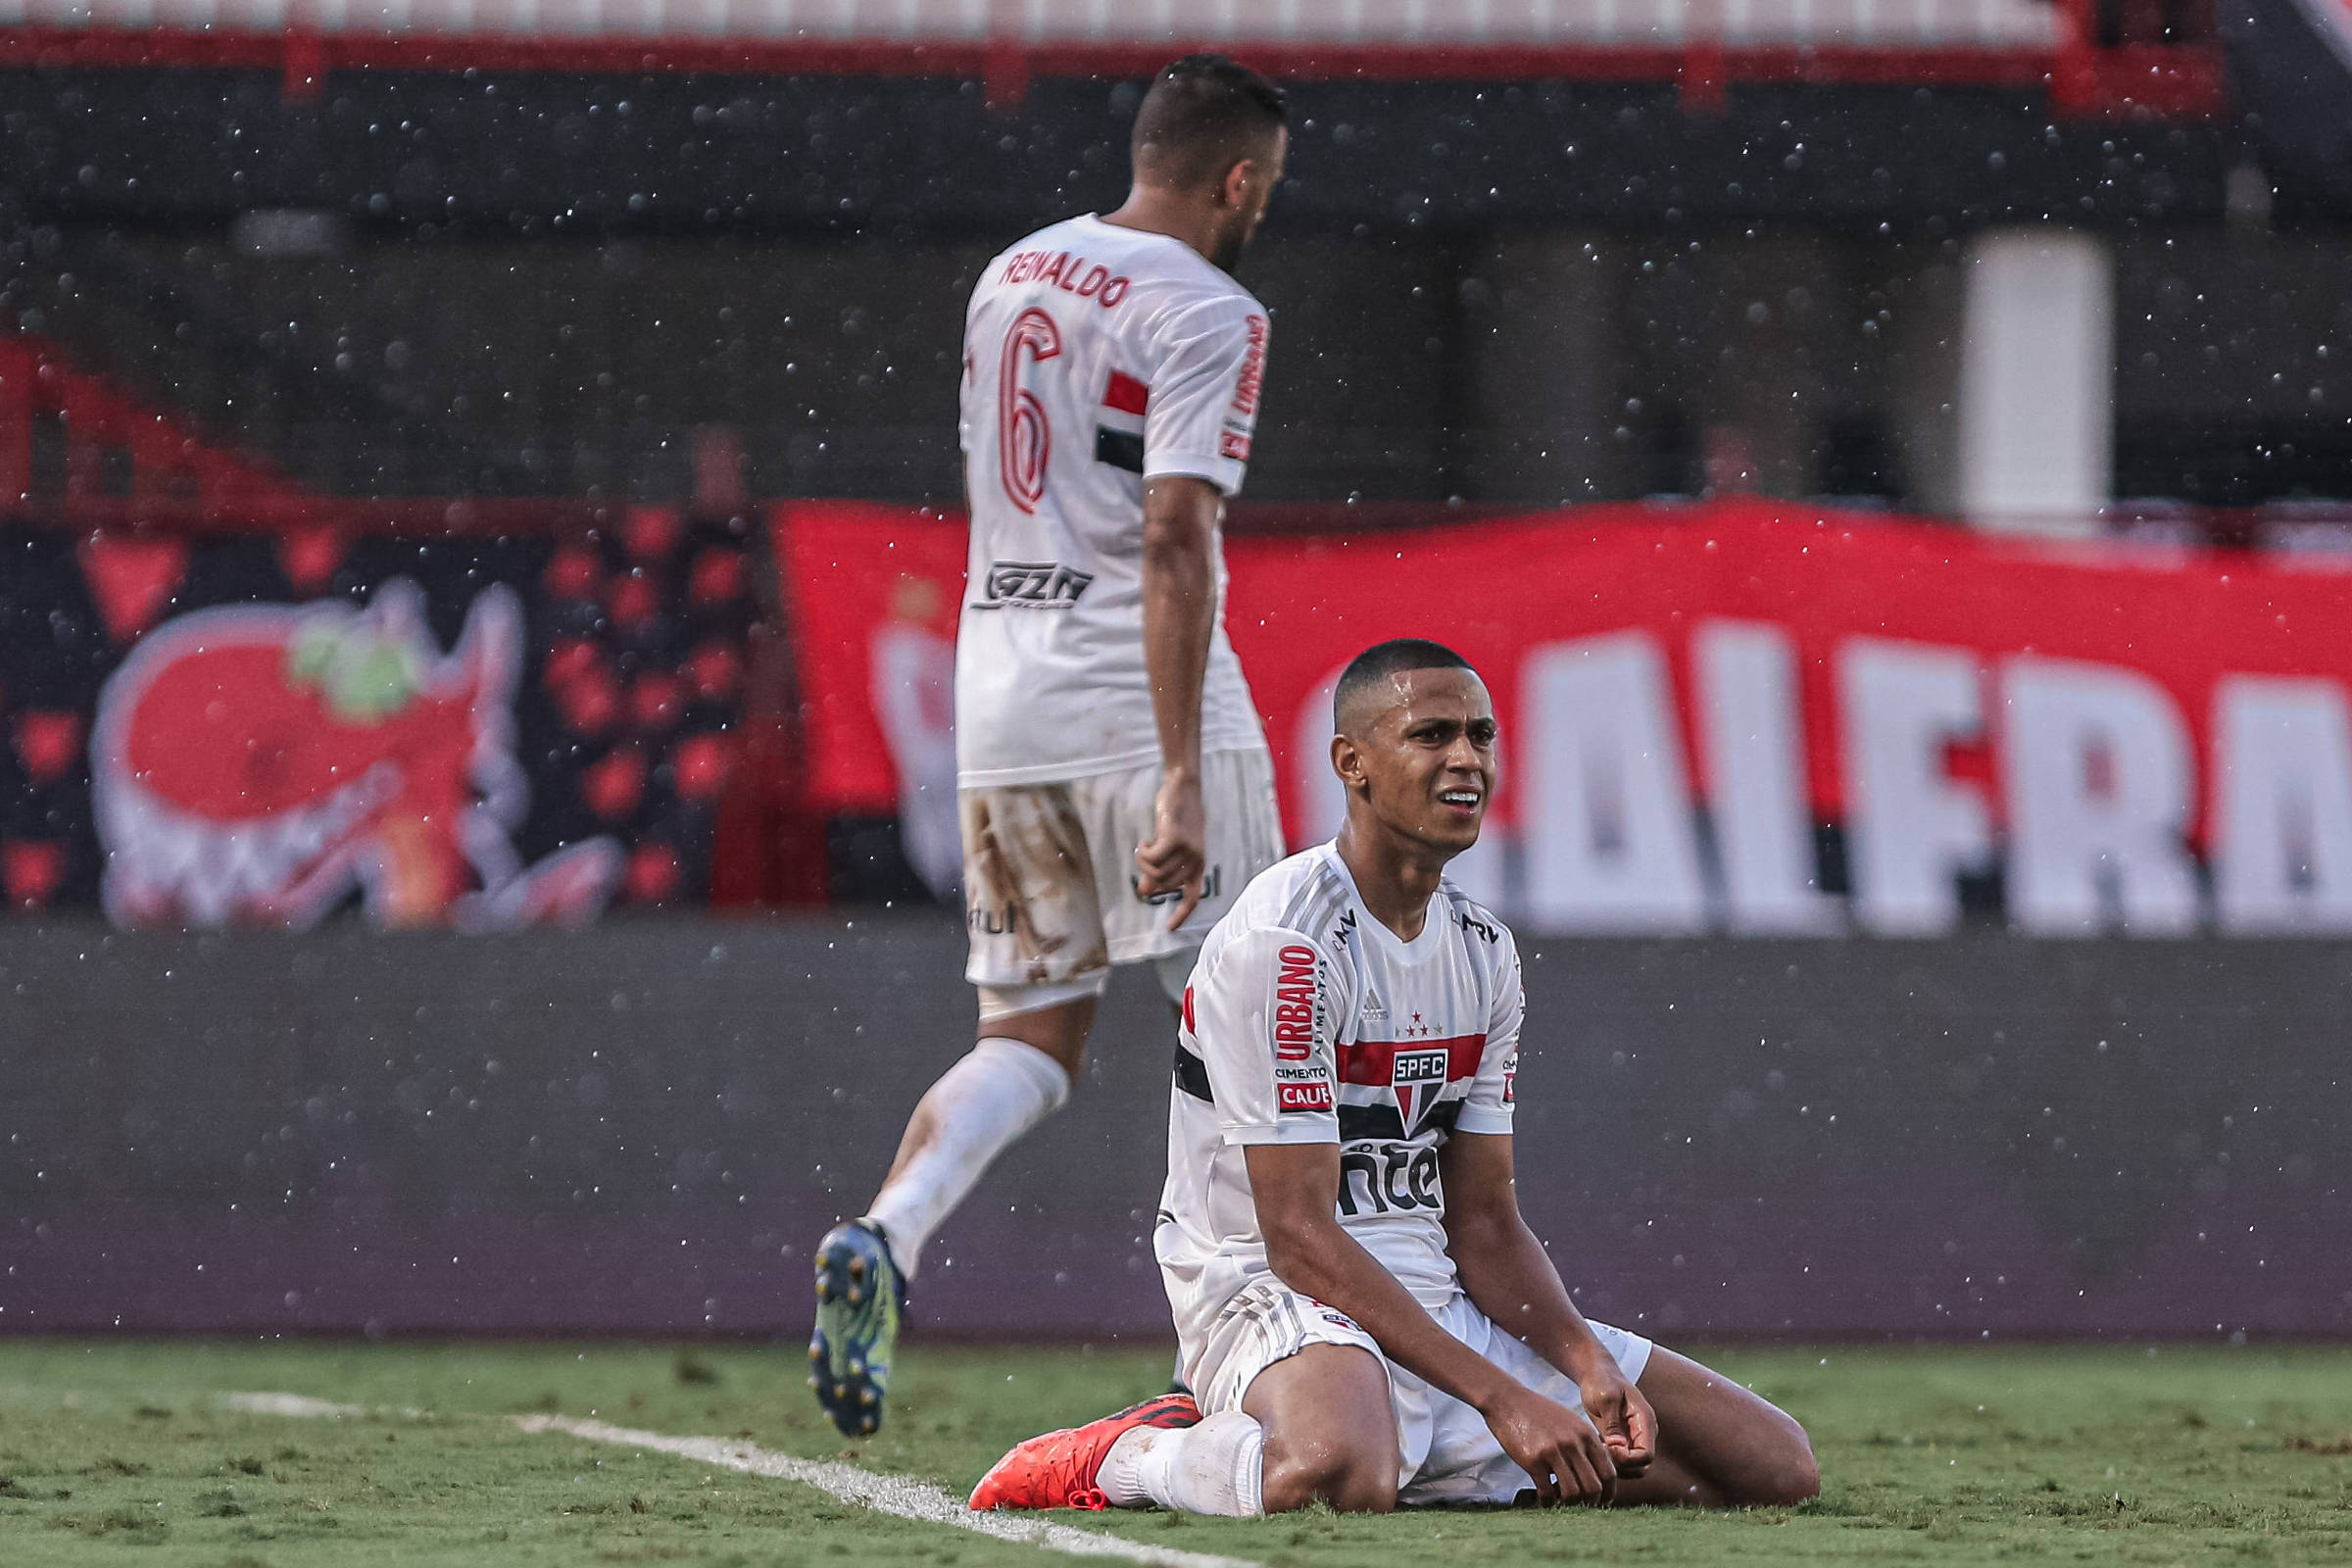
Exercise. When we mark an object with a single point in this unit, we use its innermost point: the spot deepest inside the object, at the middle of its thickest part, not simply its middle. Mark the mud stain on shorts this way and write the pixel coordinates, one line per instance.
(1029, 851)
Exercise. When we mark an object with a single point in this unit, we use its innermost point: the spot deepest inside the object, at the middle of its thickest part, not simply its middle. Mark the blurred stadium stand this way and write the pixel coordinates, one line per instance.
(506, 248)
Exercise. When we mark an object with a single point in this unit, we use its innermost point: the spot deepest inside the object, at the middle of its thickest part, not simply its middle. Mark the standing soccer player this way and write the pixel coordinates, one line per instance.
(1113, 784)
(1365, 1315)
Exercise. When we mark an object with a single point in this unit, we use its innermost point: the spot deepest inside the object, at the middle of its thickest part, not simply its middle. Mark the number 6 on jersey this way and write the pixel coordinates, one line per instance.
(1024, 435)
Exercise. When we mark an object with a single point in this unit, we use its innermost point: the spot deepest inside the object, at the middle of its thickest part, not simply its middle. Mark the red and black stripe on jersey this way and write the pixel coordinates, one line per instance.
(1414, 1073)
(1123, 401)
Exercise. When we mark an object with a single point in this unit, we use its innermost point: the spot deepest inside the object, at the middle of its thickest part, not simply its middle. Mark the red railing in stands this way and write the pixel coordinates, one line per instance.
(170, 465)
(129, 465)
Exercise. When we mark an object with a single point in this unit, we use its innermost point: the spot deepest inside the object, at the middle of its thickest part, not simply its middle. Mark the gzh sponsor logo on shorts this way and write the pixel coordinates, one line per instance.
(1030, 585)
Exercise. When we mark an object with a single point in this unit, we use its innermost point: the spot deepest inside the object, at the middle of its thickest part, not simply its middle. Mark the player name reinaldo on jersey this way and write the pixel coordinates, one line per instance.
(1308, 1021)
(1095, 358)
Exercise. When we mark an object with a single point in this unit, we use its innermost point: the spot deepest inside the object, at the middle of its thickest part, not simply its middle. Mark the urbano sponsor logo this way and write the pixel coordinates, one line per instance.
(1253, 370)
(1295, 1003)
(1031, 585)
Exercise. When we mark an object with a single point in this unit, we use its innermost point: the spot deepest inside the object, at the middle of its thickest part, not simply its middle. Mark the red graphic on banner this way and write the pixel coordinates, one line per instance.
(309, 557)
(47, 742)
(30, 871)
(574, 571)
(648, 533)
(133, 579)
(716, 577)
(615, 786)
(699, 766)
(257, 764)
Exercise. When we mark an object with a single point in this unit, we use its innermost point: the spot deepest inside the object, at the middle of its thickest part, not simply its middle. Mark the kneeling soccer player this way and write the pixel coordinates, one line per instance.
(1363, 1313)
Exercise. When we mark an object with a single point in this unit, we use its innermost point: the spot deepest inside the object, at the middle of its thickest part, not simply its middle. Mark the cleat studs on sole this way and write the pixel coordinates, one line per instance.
(855, 1296)
(867, 1397)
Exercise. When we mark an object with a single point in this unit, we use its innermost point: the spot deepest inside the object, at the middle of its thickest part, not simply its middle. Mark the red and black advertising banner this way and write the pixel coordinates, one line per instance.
(266, 729)
(1745, 716)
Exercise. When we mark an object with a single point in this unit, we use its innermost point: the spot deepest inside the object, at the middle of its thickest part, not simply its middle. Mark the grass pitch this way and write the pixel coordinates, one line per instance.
(121, 1453)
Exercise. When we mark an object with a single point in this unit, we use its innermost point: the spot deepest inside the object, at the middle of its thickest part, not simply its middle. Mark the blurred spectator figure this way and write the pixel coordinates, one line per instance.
(914, 695)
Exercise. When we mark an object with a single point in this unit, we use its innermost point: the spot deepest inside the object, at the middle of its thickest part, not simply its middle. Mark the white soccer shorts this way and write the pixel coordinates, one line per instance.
(1448, 1454)
(1049, 876)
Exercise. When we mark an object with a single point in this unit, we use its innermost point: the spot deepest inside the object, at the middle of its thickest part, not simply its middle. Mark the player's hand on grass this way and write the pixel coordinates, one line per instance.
(1175, 857)
(1561, 1451)
(1627, 1425)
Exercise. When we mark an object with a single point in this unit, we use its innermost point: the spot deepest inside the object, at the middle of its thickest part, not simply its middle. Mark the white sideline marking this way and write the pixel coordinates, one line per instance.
(301, 1405)
(884, 1494)
(289, 1404)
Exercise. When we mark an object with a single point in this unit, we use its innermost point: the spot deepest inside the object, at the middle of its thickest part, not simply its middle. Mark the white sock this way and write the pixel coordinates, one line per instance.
(979, 1107)
(1218, 1467)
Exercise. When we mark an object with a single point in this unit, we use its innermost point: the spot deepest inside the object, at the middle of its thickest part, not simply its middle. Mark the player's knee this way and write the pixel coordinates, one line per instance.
(1368, 1488)
(1351, 1479)
(1790, 1474)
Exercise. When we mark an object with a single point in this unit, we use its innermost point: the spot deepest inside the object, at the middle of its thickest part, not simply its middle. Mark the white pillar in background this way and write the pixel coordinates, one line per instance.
(2037, 395)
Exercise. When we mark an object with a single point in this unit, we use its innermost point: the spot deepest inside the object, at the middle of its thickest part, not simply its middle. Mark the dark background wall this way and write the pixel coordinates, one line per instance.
(1514, 366)
(643, 1129)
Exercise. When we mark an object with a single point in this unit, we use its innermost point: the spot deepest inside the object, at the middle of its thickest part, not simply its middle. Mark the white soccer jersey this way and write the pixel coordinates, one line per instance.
(1094, 357)
(1309, 1021)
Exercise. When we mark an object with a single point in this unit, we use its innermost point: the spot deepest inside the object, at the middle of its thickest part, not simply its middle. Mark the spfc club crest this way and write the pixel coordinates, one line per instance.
(1418, 1077)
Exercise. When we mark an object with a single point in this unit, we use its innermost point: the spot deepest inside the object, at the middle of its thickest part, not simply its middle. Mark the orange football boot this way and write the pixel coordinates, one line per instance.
(1059, 1469)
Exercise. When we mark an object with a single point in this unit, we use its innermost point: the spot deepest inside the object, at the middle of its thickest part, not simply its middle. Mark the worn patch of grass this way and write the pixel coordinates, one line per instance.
(121, 1453)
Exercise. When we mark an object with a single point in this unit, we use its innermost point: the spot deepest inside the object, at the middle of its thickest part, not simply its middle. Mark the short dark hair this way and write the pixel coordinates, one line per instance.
(1381, 660)
(1201, 116)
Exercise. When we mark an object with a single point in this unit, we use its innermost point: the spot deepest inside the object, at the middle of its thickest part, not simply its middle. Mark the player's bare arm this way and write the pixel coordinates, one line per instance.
(1298, 1188)
(1684, 1434)
(1180, 617)
(1506, 1272)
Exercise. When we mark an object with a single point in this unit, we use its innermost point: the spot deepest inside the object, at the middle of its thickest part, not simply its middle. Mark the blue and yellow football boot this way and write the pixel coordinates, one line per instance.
(860, 1297)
